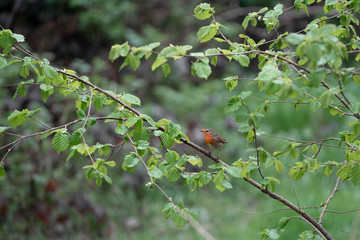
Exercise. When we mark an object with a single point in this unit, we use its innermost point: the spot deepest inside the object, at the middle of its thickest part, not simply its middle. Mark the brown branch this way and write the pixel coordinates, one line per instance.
(257, 185)
(329, 199)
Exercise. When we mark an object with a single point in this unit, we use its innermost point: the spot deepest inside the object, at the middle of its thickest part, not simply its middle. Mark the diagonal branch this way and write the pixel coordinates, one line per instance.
(329, 199)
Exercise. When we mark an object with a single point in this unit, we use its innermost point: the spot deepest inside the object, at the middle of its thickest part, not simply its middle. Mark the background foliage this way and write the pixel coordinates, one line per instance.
(44, 195)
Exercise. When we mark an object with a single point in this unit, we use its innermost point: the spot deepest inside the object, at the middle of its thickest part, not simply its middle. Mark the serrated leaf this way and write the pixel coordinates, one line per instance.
(119, 50)
(243, 60)
(233, 104)
(167, 141)
(142, 144)
(160, 60)
(295, 38)
(206, 33)
(173, 129)
(130, 99)
(131, 121)
(195, 161)
(50, 72)
(355, 174)
(3, 62)
(130, 161)
(6, 40)
(204, 177)
(162, 122)
(202, 70)
(344, 172)
(173, 174)
(46, 91)
(278, 166)
(234, 171)
(122, 130)
(17, 118)
(156, 173)
(133, 61)
(61, 142)
(203, 11)
(315, 105)
(171, 157)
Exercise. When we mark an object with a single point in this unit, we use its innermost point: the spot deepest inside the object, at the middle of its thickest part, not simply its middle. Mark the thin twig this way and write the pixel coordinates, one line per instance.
(329, 199)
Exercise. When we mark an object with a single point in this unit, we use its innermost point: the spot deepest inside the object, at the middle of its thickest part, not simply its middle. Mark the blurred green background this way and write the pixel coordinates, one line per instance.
(42, 197)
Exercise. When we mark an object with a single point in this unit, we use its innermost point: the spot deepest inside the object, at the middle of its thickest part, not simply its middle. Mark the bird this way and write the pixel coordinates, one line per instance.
(212, 139)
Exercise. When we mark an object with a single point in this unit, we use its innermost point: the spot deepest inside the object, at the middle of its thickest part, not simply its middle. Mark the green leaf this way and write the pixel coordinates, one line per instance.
(283, 222)
(331, 2)
(122, 130)
(3, 129)
(167, 207)
(219, 177)
(99, 101)
(327, 170)
(202, 69)
(50, 72)
(107, 178)
(131, 121)
(195, 161)
(130, 99)
(119, 50)
(142, 144)
(3, 62)
(243, 60)
(160, 60)
(61, 142)
(2, 170)
(234, 171)
(156, 173)
(173, 129)
(355, 173)
(278, 166)
(171, 157)
(233, 104)
(167, 140)
(166, 69)
(203, 11)
(17, 118)
(179, 221)
(295, 38)
(162, 122)
(204, 177)
(172, 175)
(133, 61)
(315, 105)
(20, 89)
(18, 37)
(206, 33)
(6, 40)
(344, 172)
(76, 136)
(110, 163)
(46, 91)
(130, 161)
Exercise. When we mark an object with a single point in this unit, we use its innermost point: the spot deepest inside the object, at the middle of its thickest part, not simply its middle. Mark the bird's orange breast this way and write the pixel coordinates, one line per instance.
(209, 139)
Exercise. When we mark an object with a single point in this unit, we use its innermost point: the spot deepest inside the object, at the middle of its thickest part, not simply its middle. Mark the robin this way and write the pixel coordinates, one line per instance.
(212, 139)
